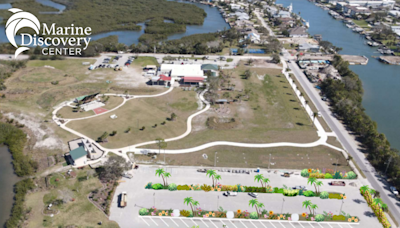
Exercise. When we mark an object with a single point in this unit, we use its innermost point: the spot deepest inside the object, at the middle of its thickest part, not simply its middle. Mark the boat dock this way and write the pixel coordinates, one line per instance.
(393, 60)
(352, 59)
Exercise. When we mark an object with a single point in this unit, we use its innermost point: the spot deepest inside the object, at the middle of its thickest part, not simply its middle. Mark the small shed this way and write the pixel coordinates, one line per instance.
(78, 156)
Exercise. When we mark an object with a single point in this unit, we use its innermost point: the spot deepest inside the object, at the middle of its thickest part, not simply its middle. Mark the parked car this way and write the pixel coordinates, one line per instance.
(324, 98)
(123, 200)
(286, 174)
(319, 114)
(202, 170)
(252, 194)
(394, 190)
(228, 193)
(337, 183)
(299, 188)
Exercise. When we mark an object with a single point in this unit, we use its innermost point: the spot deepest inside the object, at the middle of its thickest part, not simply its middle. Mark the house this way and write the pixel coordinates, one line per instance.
(356, 10)
(309, 47)
(396, 29)
(388, 4)
(211, 68)
(78, 156)
(86, 98)
(254, 37)
(298, 32)
(394, 13)
(283, 14)
(234, 7)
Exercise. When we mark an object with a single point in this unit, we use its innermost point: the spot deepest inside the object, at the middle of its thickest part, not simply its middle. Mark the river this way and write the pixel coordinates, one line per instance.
(7, 181)
(380, 81)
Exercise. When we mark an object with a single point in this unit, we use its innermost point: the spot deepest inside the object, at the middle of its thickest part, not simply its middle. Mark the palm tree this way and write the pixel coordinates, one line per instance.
(216, 177)
(384, 207)
(254, 203)
(160, 172)
(314, 206)
(211, 173)
(167, 175)
(308, 204)
(259, 178)
(364, 188)
(378, 201)
(266, 181)
(190, 201)
(260, 205)
(159, 143)
(315, 182)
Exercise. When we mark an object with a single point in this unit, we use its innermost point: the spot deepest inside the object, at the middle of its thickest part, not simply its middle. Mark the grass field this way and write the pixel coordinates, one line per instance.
(361, 23)
(143, 61)
(271, 114)
(81, 212)
(67, 112)
(282, 158)
(142, 112)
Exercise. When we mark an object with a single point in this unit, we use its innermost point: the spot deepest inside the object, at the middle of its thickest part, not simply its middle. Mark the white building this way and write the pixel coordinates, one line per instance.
(396, 29)
(394, 13)
(373, 3)
(254, 37)
(178, 72)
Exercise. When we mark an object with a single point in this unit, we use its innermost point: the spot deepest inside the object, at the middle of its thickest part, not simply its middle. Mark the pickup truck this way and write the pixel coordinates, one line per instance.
(337, 183)
(123, 201)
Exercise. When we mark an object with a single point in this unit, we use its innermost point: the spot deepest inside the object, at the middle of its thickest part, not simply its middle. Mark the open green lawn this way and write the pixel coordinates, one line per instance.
(67, 112)
(361, 23)
(143, 61)
(142, 112)
(282, 158)
(271, 114)
(81, 212)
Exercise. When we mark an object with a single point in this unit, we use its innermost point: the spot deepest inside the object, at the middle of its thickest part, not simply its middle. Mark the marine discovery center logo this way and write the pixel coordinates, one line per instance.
(71, 39)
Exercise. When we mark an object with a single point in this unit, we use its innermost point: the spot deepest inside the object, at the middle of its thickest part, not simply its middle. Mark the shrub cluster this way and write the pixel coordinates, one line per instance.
(157, 186)
(172, 187)
(376, 208)
(327, 174)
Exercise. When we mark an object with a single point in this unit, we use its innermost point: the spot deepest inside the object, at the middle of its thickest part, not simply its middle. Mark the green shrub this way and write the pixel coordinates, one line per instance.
(172, 187)
(185, 213)
(304, 173)
(240, 188)
(324, 195)
(157, 186)
(148, 185)
(287, 192)
(337, 175)
(229, 60)
(309, 193)
(183, 187)
(253, 215)
(328, 176)
(335, 196)
(143, 211)
(351, 175)
(319, 218)
(338, 218)
(206, 188)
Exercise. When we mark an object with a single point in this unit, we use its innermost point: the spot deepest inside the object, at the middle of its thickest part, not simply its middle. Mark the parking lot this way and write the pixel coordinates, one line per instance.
(238, 223)
(138, 197)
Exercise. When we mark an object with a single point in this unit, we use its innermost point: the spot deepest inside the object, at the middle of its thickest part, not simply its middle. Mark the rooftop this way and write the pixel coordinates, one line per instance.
(78, 153)
(186, 70)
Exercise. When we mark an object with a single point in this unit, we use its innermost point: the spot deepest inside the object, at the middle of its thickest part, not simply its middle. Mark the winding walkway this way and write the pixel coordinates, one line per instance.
(135, 148)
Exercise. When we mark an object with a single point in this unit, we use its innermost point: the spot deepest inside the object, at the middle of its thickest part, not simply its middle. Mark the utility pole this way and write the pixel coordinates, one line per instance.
(390, 160)
(340, 212)
(282, 205)
(215, 159)
(269, 161)
(218, 202)
(154, 199)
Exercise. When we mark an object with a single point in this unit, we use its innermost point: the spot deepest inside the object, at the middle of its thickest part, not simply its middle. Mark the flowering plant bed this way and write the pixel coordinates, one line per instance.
(376, 204)
(239, 214)
(327, 174)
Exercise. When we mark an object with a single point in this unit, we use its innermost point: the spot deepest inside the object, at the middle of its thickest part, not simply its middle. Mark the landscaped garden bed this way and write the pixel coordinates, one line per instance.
(376, 204)
(327, 174)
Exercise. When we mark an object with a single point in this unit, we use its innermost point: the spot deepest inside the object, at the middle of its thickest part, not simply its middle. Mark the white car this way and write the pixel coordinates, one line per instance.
(394, 190)
(319, 114)
(231, 193)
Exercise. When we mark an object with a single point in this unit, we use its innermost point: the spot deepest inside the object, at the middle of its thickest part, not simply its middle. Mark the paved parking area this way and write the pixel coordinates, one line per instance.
(138, 197)
(237, 223)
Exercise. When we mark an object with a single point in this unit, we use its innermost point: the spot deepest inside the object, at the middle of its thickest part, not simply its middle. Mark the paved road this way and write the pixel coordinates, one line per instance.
(347, 140)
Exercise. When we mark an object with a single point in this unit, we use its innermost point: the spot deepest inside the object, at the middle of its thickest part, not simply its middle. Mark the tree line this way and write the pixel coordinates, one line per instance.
(346, 99)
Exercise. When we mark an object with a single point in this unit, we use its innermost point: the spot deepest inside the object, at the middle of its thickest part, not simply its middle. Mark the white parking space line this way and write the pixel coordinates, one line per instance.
(329, 225)
(232, 223)
(213, 223)
(253, 224)
(272, 224)
(339, 225)
(320, 225)
(282, 224)
(301, 225)
(153, 221)
(204, 222)
(194, 222)
(263, 224)
(243, 224)
(144, 220)
(184, 222)
(222, 222)
(163, 221)
(174, 222)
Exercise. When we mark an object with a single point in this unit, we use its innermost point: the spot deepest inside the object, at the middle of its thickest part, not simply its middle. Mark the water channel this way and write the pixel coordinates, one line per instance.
(380, 81)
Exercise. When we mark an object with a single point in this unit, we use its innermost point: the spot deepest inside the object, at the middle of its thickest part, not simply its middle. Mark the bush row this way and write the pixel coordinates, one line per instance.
(316, 173)
(376, 208)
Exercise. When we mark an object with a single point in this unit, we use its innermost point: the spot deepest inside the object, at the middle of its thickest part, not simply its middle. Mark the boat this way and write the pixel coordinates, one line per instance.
(375, 44)
(368, 37)
(369, 43)
(349, 26)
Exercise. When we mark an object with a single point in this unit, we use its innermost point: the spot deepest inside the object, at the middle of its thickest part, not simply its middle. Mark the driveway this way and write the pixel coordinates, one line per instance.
(139, 197)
